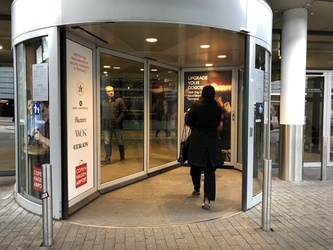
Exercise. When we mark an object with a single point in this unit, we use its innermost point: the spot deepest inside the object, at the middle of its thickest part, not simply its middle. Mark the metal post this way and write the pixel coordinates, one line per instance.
(266, 199)
(47, 205)
(323, 158)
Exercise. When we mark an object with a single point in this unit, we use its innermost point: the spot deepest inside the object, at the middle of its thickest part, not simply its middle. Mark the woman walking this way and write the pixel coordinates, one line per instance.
(204, 145)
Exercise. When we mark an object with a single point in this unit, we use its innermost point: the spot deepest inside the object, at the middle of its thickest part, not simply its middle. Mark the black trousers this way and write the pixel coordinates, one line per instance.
(209, 181)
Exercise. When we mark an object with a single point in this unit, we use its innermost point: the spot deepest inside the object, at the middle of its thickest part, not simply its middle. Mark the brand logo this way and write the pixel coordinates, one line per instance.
(81, 132)
(80, 145)
(80, 88)
(80, 120)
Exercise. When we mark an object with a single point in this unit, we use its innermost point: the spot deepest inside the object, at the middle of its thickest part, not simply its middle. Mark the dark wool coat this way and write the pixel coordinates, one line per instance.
(113, 113)
(204, 117)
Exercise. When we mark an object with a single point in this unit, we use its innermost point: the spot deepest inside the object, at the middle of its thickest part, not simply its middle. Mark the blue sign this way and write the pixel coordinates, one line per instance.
(36, 108)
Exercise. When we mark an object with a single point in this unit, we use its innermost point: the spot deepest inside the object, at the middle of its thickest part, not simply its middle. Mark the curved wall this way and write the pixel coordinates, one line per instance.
(236, 15)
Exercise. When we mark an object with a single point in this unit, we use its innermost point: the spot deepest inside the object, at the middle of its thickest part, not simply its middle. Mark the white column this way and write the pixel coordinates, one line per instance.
(292, 98)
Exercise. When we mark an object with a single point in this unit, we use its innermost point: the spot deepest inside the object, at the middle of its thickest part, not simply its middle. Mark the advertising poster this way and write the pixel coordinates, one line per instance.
(79, 119)
(195, 81)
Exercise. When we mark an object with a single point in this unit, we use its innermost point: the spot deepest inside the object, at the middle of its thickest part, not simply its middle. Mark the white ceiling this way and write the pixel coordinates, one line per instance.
(184, 41)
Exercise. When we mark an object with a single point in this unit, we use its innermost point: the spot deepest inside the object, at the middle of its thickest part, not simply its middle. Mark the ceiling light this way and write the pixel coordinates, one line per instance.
(209, 64)
(116, 67)
(1, 47)
(142, 69)
(221, 56)
(151, 40)
(205, 46)
(106, 66)
(153, 69)
(105, 72)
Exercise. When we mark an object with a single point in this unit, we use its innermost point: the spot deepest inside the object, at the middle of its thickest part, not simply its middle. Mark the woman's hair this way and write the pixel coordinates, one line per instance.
(208, 91)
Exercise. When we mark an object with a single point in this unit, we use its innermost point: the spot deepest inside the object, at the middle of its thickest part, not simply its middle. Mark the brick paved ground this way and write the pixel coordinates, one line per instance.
(301, 218)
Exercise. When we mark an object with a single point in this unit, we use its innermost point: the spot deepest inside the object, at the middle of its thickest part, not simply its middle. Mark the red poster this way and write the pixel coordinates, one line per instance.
(81, 174)
(37, 181)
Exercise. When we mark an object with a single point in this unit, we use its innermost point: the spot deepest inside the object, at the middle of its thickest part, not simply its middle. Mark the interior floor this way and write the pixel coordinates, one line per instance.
(164, 199)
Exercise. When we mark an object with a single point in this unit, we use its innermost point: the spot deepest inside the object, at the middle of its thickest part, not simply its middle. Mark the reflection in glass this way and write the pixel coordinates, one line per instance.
(313, 130)
(261, 96)
(224, 130)
(275, 130)
(163, 116)
(240, 113)
(121, 98)
(33, 117)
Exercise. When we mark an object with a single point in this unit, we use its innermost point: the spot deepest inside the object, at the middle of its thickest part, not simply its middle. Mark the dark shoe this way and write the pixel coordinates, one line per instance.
(196, 192)
(205, 203)
(122, 158)
(105, 162)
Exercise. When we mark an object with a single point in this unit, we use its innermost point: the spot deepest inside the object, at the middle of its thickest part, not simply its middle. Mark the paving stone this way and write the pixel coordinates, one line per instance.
(301, 218)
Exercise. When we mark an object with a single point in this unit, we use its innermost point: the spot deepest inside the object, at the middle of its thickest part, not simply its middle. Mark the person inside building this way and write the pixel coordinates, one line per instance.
(113, 113)
(34, 120)
(42, 136)
(204, 146)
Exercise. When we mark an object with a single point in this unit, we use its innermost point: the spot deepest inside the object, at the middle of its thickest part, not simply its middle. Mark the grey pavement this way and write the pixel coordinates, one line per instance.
(301, 218)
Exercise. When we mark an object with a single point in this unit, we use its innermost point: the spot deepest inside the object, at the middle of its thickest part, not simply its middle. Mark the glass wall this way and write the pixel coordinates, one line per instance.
(240, 113)
(7, 137)
(122, 117)
(163, 116)
(261, 100)
(33, 115)
(313, 130)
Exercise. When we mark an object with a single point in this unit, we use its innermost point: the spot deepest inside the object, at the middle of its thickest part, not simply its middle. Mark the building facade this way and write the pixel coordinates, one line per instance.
(156, 56)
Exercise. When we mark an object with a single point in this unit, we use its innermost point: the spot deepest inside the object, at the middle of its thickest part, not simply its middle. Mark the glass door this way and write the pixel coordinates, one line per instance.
(318, 119)
(121, 116)
(163, 119)
(255, 121)
(313, 130)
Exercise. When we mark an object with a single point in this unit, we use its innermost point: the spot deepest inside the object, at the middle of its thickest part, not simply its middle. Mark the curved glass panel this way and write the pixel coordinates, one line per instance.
(163, 116)
(33, 116)
(122, 115)
(261, 96)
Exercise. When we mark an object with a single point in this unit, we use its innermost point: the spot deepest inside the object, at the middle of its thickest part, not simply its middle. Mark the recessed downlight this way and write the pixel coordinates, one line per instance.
(116, 67)
(151, 40)
(209, 64)
(205, 46)
(106, 66)
(222, 56)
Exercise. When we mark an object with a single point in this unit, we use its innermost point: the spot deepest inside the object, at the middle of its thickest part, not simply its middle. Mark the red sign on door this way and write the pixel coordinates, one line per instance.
(81, 174)
(37, 181)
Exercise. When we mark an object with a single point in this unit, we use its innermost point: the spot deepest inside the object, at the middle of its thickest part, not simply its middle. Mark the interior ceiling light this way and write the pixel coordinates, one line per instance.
(106, 66)
(116, 67)
(221, 56)
(205, 46)
(153, 69)
(105, 72)
(151, 40)
(1, 47)
(209, 64)
(141, 69)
